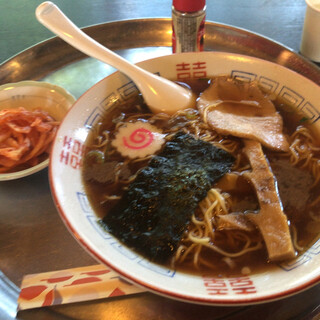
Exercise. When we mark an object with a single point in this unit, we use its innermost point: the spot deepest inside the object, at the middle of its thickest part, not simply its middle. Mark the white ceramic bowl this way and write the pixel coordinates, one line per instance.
(32, 95)
(75, 210)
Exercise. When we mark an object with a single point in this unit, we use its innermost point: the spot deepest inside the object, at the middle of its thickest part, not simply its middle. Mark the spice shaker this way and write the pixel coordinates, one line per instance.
(188, 19)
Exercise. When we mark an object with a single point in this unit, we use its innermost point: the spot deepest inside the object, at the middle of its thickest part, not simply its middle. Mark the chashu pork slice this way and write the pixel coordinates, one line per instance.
(241, 109)
(271, 220)
(235, 221)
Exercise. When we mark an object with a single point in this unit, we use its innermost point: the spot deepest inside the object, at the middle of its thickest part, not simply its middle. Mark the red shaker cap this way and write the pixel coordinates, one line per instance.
(189, 5)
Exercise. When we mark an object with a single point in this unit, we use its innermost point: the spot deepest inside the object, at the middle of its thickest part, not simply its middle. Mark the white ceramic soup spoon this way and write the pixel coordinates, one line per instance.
(160, 94)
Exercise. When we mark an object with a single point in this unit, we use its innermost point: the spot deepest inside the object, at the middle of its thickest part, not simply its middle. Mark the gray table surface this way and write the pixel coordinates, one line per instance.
(281, 21)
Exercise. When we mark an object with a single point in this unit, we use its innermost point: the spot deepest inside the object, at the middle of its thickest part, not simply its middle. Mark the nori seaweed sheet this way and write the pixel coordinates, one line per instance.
(157, 207)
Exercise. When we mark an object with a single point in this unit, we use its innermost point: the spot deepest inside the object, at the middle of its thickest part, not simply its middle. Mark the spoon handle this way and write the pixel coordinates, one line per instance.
(56, 21)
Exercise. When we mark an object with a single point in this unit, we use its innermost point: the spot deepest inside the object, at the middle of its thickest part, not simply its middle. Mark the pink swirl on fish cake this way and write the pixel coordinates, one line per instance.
(138, 139)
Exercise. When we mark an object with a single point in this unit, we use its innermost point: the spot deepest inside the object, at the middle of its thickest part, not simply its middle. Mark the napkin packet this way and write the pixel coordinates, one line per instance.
(72, 285)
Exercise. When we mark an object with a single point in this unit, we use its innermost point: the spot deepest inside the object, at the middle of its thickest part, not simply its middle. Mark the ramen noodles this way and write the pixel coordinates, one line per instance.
(261, 209)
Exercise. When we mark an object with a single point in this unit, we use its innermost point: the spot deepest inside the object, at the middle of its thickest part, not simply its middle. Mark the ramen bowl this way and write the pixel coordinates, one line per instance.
(33, 95)
(69, 193)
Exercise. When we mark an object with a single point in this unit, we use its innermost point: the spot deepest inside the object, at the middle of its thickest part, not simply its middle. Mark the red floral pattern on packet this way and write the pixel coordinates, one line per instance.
(72, 285)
